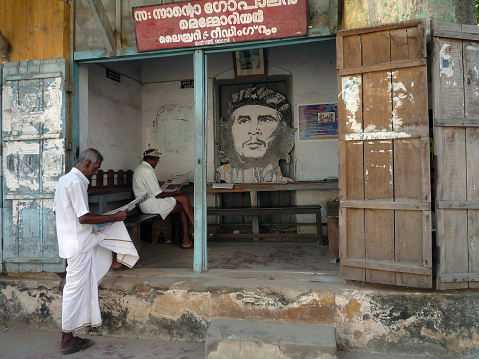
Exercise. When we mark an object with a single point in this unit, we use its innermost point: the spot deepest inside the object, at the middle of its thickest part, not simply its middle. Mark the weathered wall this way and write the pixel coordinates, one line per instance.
(36, 29)
(363, 13)
(168, 114)
(113, 125)
(373, 319)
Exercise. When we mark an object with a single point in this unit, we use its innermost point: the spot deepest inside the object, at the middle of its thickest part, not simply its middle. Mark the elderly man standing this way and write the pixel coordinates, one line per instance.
(88, 249)
(145, 181)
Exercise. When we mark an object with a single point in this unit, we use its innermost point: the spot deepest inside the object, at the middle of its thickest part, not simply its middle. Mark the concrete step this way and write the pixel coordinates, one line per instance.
(239, 339)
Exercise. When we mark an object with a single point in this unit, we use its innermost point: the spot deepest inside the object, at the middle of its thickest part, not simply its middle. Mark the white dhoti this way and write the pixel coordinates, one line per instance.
(161, 206)
(85, 272)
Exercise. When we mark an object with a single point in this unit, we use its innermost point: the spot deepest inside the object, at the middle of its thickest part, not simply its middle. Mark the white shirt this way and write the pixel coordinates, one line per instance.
(145, 181)
(70, 203)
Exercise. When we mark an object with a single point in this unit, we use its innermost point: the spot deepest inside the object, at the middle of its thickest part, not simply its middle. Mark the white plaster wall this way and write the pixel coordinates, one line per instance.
(114, 119)
(168, 116)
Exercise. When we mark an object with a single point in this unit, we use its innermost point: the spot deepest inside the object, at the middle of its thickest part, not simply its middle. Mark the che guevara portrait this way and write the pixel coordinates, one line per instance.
(257, 135)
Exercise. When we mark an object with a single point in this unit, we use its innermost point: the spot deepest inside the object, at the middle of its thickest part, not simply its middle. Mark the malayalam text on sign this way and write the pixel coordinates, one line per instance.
(202, 23)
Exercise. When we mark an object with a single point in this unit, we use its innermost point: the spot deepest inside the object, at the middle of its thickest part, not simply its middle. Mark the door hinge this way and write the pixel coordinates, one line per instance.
(68, 144)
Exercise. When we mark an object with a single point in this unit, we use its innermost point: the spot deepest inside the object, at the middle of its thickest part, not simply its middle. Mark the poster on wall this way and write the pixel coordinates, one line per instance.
(318, 121)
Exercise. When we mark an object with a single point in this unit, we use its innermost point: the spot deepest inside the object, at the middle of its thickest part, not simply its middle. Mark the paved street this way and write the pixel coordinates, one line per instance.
(22, 343)
(26, 343)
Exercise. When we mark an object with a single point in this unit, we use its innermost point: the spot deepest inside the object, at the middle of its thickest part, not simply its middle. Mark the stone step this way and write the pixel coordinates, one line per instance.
(239, 339)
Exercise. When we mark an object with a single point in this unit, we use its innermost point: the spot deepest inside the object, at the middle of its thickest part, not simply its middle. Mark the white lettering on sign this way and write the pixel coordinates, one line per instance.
(213, 22)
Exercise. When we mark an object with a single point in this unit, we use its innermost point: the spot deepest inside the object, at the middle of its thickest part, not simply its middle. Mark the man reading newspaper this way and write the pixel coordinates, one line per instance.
(160, 201)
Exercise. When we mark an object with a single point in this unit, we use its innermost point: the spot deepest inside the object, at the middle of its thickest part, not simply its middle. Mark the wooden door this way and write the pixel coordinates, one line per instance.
(384, 179)
(455, 79)
(33, 133)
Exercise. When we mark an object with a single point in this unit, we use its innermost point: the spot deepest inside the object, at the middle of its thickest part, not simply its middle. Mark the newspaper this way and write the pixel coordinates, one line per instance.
(129, 206)
(174, 183)
(223, 185)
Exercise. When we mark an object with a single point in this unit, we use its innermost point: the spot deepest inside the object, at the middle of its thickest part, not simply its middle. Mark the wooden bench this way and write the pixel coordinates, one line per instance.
(133, 223)
(265, 211)
(115, 186)
(110, 186)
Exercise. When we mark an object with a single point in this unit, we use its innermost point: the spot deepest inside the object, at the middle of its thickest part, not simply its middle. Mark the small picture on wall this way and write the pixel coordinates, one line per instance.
(318, 121)
(249, 63)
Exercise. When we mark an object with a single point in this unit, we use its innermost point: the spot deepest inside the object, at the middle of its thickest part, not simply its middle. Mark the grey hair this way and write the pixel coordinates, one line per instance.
(90, 154)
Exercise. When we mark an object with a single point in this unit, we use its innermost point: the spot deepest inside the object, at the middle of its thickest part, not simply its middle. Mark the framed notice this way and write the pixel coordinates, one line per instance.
(249, 63)
(318, 122)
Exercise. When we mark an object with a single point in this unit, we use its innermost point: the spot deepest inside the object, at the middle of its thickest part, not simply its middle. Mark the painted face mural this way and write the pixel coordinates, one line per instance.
(256, 136)
(254, 128)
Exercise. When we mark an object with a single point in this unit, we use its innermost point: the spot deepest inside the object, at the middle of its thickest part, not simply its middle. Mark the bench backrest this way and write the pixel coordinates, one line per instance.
(111, 180)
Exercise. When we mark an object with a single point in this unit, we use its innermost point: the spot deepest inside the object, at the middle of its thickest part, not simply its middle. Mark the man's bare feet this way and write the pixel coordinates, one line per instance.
(116, 265)
(187, 243)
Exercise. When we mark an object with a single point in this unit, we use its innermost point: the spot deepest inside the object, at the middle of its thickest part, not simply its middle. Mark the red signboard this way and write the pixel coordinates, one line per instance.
(201, 23)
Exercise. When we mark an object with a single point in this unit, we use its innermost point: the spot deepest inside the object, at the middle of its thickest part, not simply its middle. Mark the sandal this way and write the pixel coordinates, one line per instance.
(80, 344)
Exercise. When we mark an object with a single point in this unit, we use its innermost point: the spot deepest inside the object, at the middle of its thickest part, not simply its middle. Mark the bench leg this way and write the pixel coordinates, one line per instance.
(319, 227)
(134, 232)
(255, 218)
(333, 238)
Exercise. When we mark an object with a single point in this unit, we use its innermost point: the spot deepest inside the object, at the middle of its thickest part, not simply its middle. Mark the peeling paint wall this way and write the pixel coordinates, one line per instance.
(373, 319)
(363, 13)
(37, 112)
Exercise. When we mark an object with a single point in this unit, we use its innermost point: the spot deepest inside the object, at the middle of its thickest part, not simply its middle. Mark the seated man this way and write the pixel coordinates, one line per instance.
(145, 181)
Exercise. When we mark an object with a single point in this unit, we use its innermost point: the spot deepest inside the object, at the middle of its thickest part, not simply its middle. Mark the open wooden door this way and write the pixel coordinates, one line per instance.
(384, 169)
(455, 79)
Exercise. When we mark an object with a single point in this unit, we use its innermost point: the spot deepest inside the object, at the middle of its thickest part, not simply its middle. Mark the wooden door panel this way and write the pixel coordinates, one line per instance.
(352, 51)
(378, 170)
(376, 47)
(355, 247)
(377, 113)
(470, 50)
(350, 102)
(355, 170)
(451, 149)
(385, 231)
(409, 94)
(451, 80)
(456, 144)
(408, 156)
